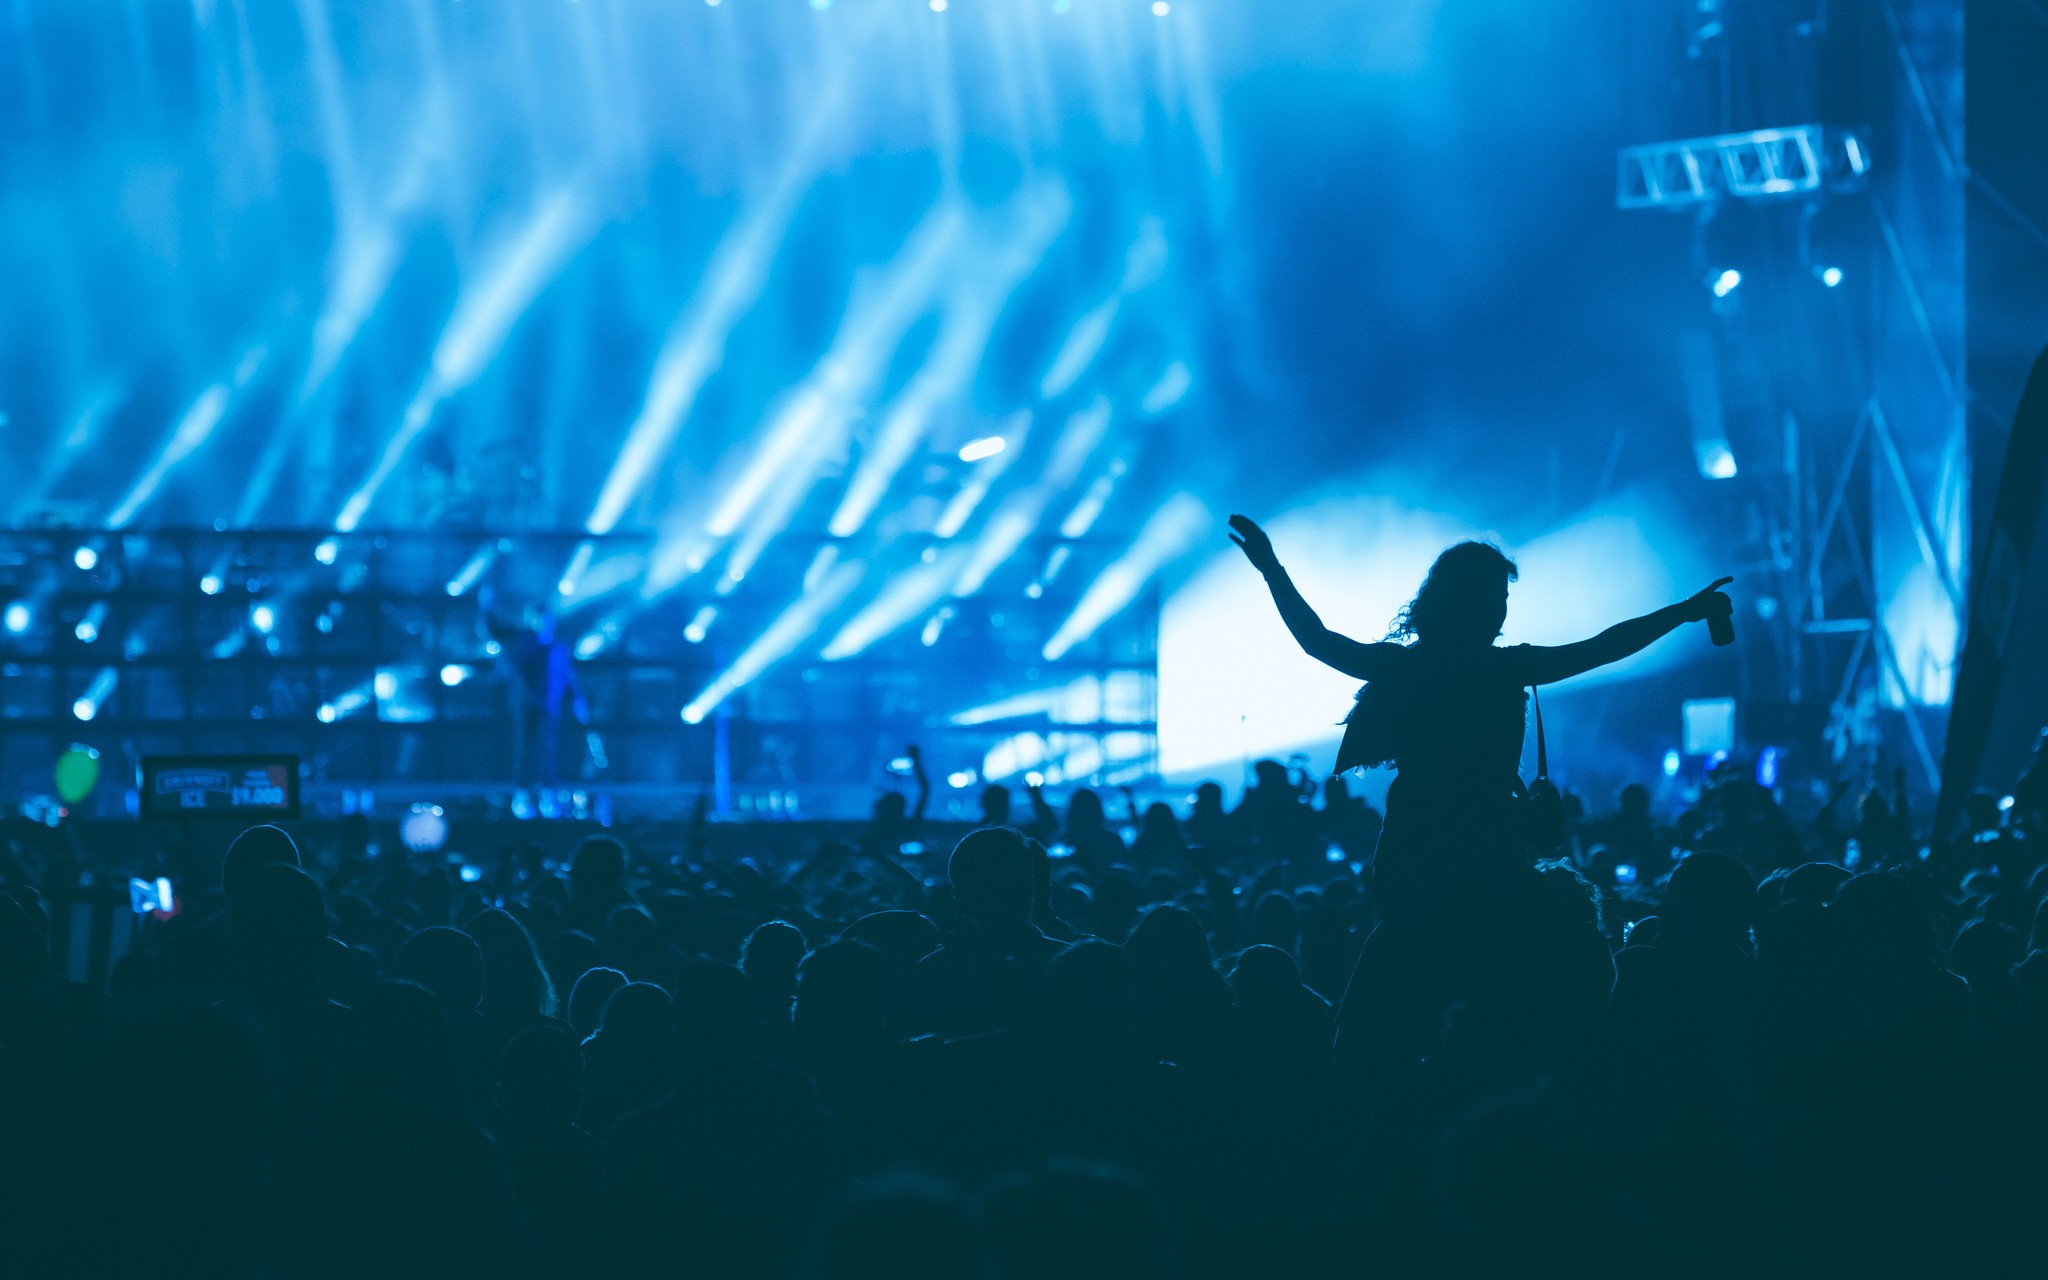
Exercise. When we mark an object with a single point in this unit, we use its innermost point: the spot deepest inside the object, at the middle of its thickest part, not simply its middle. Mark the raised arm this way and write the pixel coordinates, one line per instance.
(1547, 664)
(1352, 657)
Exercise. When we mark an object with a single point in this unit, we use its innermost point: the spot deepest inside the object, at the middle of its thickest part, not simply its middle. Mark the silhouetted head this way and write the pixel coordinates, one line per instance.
(1091, 991)
(1159, 822)
(1209, 798)
(638, 1013)
(890, 808)
(991, 875)
(278, 921)
(842, 989)
(771, 954)
(446, 962)
(514, 981)
(1880, 919)
(588, 997)
(1464, 600)
(1264, 977)
(717, 1014)
(1084, 811)
(995, 805)
(1710, 901)
(600, 862)
(540, 1077)
(257, 847)
(903, 937)
(1635, 800)
(1270, 775)
(1170, 943)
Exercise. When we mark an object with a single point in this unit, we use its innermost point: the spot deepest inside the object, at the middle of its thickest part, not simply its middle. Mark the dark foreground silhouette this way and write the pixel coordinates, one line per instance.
(1255, 1041)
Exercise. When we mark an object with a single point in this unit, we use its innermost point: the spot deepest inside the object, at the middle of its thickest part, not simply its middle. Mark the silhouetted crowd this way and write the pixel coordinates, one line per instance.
(1072, 1046)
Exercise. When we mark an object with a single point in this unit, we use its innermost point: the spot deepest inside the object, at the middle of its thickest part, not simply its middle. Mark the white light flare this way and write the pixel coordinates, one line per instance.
(96, 694)
(1169, 532)
(791, 629)
(483, 318)
(907, 595)
(815, 417)
(194, 427)
(986, 447)
(695, 346)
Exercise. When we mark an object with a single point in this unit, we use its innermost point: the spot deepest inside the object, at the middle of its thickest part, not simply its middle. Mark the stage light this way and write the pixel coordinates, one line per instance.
(17, 618)
(1170, 530)
(1062, 6)
(95, 696)
(424, 829)
(324, 624)
(385, 685)
(1726, 282)
(483, 318)
(938, 6)
(960, 779)
(1089, 509)
(821, 4)
(1080, 347)
(795, 624)
(986, 447)
(1717, 461)
(1767, 768)
(327, 713)
(86, 558)
(700, 625)
(211, 584)
(263, 618)
(815, 416)
(1170, 390)
(193, 429)
(1160, 8)
(88, 628)
(326, 551)
(1672, 761)
(934, 626)
(454, 674)
(467, 576)
(1831, 276)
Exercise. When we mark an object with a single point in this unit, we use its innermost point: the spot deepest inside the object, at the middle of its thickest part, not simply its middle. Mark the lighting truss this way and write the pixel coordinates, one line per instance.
(1763, 164)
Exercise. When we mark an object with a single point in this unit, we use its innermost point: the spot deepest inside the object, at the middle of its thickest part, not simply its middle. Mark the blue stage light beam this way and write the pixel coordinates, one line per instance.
(484, 316)
(961, 507)
(473, 569)
(1171, 388)
(96, 694)
(695, 345)
(901, 602)
(1144, 262)
(790, 629)
(813, 420)
(956, 356)
(1167, 533)
(1089, 509)
(1021, 513)
(194, 427)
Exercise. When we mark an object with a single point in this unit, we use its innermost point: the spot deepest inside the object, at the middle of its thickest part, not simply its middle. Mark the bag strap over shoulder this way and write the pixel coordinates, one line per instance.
(1542, 749)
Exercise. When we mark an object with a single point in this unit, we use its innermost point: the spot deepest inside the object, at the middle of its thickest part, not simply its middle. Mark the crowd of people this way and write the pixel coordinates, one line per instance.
(1143, 1057)
(1482, 1032)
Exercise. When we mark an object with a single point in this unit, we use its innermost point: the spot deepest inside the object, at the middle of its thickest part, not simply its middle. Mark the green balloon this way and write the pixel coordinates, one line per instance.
(78, 771)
